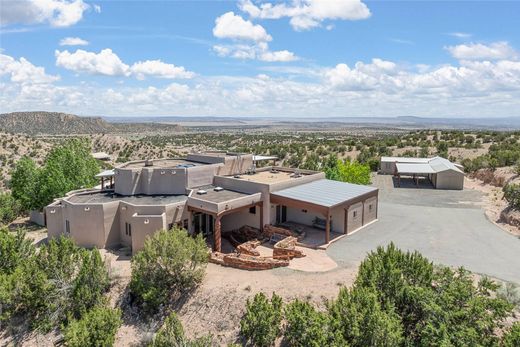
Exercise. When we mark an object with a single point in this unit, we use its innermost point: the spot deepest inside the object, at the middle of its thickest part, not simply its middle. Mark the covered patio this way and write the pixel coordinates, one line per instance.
(326, 209)
(208, 205)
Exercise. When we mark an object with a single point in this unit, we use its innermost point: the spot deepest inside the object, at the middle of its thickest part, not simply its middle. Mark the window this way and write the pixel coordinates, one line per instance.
(304, 211)
(370, 207)
(252, 210)
(185, 224)
(354, 214)
(67, 227)
(128, 229)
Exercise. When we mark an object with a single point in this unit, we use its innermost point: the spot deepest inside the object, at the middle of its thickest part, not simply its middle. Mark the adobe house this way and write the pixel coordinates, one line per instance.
(208, 193)
(442, 173)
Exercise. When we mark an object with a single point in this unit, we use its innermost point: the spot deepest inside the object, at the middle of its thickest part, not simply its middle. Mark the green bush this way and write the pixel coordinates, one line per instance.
(171, 334)
(512, 195)
(260, 325)
(97, 328)
(305, 326)
(9, 208)
(358, 317)
(512, 337)
(347, 171)
(171, 263)
(48, 289)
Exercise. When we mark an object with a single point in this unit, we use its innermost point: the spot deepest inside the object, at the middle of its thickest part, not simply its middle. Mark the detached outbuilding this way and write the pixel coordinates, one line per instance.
(442, 173)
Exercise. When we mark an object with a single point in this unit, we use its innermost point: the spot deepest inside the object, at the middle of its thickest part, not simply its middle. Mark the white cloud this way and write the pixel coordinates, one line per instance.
(58, 13)
(278, 56)
(476, 51)
(97, 8)
(24, 72)
(108, 63)
(159, 69)
(234, 27)
(105, 62)
(231, 26)
(73, 41)
(308, 14)
(460, 35)
(258, 51)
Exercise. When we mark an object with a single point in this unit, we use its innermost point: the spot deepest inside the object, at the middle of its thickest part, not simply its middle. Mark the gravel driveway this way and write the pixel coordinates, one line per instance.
(448, 227)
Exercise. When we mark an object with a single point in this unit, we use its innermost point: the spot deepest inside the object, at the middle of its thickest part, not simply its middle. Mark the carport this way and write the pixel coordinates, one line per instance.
(347, 206)
(414, 170)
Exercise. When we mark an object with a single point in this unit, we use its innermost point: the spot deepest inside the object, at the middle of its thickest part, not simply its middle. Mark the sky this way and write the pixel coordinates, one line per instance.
(295, 58)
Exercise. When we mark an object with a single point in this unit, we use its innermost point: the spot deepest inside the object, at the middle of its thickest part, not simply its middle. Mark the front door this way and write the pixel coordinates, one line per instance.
(281, 214)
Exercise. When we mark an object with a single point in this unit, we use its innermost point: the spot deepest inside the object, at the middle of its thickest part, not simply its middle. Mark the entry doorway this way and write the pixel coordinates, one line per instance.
(203, 224)
(281, 214)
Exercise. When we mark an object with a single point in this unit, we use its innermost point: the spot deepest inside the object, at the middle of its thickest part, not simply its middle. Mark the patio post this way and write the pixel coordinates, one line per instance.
(327, 229)
(217, 234)
(261, 206)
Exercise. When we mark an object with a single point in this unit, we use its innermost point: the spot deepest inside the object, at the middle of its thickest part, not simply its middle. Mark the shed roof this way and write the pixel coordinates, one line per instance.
(325, 192)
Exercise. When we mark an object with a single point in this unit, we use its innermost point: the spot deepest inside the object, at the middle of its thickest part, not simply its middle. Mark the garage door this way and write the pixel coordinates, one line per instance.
(354, 217)
(370, 210)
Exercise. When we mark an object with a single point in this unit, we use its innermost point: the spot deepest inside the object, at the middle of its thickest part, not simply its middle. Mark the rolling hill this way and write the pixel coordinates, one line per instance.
(54, 123)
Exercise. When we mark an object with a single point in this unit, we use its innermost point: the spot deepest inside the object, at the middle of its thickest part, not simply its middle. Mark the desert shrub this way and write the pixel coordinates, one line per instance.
(511, 293)
(171, 334)
(260, 325)
(96, 328)
(511, 337)
(60, 283)
(14, 249)
(305, 326)
(9, 208)
(171, 263)
(512, 195)
(360, 320)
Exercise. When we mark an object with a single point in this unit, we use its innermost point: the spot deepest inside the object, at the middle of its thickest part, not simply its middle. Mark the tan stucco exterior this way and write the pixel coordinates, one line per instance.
(151, 195)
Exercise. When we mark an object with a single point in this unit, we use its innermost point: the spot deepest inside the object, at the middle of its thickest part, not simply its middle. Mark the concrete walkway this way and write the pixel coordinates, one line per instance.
(448, 227)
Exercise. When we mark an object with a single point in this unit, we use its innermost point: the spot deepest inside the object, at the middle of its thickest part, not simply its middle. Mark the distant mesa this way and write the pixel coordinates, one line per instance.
(55, 123)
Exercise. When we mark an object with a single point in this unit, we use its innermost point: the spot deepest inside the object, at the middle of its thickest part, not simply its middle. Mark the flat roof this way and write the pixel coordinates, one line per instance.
(269, 176)
(104, 197)
(325, 192)
(164, 163)
(106, 173)
(414, 168)
(215, 196)
(264, 157)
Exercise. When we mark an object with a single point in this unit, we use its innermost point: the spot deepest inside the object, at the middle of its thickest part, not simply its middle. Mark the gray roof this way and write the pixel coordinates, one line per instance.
(216, 196)
(104, 197)
(418, 168)
(325, 192)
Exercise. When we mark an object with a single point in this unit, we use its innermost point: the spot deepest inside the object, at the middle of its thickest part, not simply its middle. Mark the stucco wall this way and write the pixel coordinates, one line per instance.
(239, 219)
(200, 175)
(55, 223)
(144, 226)
(297, 215)
(338, 219)
(450, 180)
(87, 224)
(111, 224)
(162, 181)
(126, 181)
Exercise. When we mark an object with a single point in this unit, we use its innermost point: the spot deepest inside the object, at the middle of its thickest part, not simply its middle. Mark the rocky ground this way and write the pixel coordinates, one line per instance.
(491, 184)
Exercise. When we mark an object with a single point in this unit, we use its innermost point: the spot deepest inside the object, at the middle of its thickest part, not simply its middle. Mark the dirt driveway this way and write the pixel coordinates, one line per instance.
(448, 227)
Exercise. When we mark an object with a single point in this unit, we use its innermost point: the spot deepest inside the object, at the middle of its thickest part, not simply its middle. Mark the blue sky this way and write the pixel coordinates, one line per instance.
(259, 58)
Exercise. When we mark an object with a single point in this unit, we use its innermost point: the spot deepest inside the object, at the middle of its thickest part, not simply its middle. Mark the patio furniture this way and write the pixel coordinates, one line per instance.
(320, 223)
